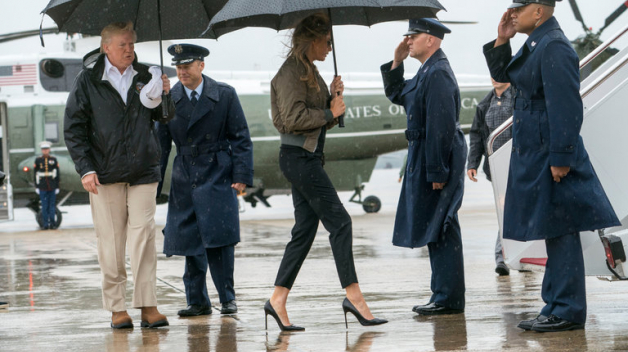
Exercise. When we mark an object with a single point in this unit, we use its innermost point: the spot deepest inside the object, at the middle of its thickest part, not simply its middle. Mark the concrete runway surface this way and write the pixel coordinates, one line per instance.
(51, 280)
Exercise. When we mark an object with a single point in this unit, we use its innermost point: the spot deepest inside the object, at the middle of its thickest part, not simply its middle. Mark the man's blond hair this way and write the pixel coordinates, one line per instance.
(114, 29)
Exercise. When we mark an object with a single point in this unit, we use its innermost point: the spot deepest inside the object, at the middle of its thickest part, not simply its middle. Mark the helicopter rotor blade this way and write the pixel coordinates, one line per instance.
(576, 12)
(610, 19)
(25, 34)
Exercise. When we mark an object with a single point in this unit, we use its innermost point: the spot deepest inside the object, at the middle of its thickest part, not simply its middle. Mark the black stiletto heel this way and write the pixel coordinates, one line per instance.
(347, 306)
(268, 309)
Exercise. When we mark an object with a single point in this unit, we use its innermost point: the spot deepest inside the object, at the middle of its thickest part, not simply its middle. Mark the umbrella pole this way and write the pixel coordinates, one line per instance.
(341, 118)
(164, 96)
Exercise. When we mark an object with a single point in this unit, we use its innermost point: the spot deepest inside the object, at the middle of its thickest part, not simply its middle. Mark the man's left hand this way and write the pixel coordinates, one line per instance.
(238, 187)
(166, 81)
(438, 186)
(559, 172)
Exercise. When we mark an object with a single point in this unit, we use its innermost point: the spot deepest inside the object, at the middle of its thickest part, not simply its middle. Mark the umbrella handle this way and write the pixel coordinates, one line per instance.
(341, 118)
(165, 103)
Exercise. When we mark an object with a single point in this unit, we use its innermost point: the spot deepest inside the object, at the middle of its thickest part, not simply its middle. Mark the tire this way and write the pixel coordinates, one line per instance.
(371, 204)
(58, 219)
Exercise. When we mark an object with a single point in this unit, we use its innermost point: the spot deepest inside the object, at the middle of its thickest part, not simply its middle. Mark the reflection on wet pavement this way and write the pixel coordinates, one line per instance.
(52, 283)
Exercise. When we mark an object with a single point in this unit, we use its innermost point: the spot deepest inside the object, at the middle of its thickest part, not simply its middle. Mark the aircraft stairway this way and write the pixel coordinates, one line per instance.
(605, 133)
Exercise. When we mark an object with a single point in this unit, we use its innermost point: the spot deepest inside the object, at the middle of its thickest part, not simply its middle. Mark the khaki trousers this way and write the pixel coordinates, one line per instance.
(122, 212)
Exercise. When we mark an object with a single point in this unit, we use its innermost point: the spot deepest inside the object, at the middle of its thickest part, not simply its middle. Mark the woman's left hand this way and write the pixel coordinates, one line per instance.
(337, 87)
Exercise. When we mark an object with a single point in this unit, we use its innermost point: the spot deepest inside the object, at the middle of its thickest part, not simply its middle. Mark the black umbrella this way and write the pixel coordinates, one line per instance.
(285, 14)
(152, 19)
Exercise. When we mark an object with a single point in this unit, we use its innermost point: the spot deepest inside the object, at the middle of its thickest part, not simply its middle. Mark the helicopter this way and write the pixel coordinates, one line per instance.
(586, 43)
(35, 87)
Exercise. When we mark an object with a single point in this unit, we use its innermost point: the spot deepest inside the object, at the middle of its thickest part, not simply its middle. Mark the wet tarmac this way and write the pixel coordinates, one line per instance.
(51, 280)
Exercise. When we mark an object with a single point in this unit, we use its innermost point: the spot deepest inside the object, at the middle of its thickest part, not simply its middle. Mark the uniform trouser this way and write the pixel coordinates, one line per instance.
(448, 268)
(563, 290)
(314, 199)
(122, 212)
(221, 265)
(48, 202)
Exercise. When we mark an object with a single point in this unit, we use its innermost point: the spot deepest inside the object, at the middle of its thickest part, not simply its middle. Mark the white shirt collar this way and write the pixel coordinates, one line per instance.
(121, 82)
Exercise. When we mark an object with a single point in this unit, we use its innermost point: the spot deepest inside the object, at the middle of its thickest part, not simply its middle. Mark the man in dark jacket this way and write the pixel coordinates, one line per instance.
(46, 172)
(110, 136)
(432, 189)
(491, 112)
(214, 162)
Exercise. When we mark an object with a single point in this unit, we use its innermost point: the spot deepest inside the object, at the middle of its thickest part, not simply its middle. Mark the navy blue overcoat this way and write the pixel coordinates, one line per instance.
(546, 132)
(437, 150)
(214, 150)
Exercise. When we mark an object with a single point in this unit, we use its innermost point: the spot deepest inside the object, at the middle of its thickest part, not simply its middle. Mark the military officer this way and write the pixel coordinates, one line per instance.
(214, 162)
(553, 192)
(432, 189)
(47, 184)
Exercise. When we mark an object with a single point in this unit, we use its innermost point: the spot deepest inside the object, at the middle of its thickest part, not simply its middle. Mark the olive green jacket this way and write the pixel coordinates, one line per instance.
(299, 111)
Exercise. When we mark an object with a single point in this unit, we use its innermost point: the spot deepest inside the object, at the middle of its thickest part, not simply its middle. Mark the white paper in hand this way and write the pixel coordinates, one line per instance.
(150, 95)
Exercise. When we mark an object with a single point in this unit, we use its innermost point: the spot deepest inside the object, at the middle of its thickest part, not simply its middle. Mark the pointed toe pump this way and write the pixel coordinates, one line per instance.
(268, 309)
(347, 306)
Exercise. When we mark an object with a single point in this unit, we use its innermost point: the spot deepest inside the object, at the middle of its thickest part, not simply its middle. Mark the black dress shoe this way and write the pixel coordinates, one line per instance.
(554, 323)
(229, 307)
(416, 308)
(437, 309)
(527, 324)
(194, 310)
(502, 269)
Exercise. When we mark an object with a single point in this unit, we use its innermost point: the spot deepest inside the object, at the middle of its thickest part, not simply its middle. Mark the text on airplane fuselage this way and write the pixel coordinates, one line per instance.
(366, 111)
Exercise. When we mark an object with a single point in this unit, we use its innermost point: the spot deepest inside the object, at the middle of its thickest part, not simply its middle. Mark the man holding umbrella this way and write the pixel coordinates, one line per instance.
(432, 190)
(110, 136)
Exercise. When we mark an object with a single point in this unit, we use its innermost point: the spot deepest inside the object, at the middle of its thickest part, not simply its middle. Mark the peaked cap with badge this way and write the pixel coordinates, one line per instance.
(185, 53)
(427, 25)
(521, 3)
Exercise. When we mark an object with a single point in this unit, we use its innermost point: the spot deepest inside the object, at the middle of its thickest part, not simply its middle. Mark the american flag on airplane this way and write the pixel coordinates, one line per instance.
(18, 75)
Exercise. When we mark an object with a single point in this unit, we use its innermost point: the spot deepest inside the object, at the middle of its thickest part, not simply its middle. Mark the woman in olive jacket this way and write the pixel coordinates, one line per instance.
(303, 110)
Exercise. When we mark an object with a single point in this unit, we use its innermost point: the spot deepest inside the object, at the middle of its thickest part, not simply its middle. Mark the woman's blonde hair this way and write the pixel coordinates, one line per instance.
(114, 29)
(306, 32)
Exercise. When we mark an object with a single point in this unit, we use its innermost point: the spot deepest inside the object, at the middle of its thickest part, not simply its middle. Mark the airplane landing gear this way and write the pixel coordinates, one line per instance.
(370, 204)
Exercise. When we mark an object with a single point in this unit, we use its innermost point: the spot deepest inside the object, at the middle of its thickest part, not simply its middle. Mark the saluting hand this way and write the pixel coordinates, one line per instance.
(166, 81)
(505, 29)
(559, 172)
(401, 53)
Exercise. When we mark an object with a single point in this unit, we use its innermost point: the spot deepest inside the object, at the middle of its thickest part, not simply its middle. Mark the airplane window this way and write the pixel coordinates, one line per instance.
(52, 68)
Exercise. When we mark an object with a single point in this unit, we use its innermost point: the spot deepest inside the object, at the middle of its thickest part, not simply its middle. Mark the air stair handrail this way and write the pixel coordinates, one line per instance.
(601, 78)
(592, 55)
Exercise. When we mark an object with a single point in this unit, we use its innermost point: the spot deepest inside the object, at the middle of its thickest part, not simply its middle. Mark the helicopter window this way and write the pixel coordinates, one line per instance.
(52, 68)
(51, 132)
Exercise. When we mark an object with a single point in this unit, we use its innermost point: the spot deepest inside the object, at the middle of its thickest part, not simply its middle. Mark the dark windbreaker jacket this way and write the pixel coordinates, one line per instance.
(104, 135)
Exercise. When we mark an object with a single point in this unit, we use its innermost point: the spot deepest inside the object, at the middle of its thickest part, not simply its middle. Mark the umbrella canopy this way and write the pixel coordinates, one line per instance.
(152, 19)
(180, 19)
(285, 14)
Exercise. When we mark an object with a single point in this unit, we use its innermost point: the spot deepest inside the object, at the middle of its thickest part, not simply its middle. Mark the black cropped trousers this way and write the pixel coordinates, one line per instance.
(315, 199)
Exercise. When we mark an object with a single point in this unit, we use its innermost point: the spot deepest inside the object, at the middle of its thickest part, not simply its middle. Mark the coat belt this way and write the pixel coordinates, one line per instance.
(195, 150)
(532, 105)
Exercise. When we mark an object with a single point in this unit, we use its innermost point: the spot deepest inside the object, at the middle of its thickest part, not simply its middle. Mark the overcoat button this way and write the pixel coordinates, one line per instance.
(193, 186)
(193, 163)
(189, 139)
